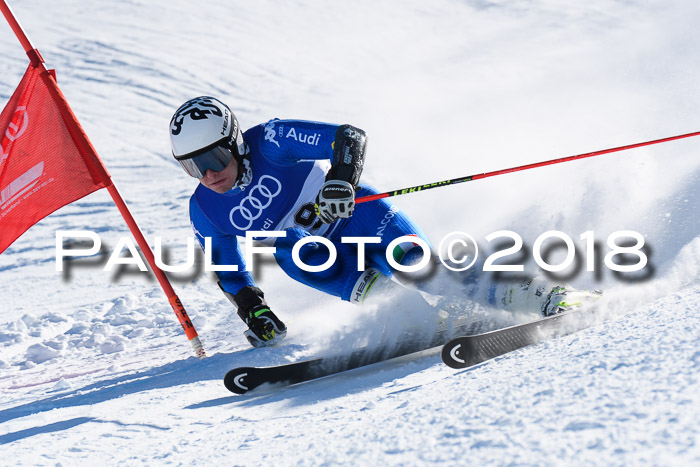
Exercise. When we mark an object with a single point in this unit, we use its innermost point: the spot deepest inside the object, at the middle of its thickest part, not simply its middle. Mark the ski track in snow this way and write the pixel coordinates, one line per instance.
(95, 368)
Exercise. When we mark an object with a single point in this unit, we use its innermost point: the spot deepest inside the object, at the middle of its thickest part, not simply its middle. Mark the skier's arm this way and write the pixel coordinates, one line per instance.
(225, 251)
(337, 196)
(348, 155)
(285, 142)
(264, 328)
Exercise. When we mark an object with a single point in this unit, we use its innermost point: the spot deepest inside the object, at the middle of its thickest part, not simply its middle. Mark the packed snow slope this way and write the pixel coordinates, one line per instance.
(95, 368)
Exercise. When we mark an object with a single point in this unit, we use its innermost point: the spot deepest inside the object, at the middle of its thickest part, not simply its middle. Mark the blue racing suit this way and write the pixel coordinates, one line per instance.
(289, 162)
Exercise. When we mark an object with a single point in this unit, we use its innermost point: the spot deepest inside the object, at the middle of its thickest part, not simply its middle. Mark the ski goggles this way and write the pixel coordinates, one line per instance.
(215, 156)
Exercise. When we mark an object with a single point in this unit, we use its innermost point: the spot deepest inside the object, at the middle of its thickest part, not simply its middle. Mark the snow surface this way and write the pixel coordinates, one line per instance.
(95, 368)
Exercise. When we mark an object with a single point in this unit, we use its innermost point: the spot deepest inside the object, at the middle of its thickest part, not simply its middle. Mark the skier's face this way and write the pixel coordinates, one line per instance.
(221, 181)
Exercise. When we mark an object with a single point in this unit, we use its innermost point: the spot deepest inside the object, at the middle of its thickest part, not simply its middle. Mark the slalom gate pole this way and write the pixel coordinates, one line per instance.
(469, 178)
(98, 170)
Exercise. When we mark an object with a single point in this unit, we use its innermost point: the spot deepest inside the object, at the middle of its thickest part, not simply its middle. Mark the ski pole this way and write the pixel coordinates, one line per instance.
(469, 178)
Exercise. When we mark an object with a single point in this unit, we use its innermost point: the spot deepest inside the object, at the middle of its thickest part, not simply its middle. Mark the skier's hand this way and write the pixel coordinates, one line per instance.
(264, 327)
(335, 199)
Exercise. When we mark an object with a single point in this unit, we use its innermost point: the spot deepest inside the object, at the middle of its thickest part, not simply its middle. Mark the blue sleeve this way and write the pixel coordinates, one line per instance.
(285, 142)
(225, 251)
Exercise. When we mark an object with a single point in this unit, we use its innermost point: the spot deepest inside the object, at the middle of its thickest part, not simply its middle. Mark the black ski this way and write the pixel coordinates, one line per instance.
(244, 379)
(470, 350)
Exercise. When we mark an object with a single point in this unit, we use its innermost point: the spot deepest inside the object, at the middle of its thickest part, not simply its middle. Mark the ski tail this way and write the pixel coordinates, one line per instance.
(470, 350)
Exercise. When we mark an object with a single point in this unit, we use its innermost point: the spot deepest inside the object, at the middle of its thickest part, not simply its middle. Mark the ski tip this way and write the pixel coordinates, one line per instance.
(236, 380)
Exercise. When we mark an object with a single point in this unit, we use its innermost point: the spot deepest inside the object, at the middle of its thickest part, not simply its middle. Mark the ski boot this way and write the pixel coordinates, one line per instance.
(565, 298)
(538, 295)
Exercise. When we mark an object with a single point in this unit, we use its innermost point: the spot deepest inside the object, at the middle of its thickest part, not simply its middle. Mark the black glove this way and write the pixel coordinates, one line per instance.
(264, 327)
(335, 199)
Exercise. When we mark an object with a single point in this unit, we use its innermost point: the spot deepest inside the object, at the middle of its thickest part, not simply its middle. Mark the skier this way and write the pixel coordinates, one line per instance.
(300, 178)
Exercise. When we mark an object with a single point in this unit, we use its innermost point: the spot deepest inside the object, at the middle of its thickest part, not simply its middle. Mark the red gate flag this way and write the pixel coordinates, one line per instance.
(41, 168)
(47, 161)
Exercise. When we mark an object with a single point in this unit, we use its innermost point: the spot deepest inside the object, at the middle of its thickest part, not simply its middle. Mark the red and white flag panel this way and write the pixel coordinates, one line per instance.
(41, 167)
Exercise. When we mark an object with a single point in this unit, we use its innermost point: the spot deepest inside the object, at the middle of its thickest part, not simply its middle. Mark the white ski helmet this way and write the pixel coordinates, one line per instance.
(204, 134)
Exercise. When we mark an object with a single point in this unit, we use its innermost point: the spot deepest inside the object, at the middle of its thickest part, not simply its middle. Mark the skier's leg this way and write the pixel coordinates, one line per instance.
(385, 222)
(381, 219)
(337, 280)
(342, 279)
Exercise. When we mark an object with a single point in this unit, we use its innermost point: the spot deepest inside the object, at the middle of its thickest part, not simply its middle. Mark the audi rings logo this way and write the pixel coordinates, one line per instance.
(258, 199)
